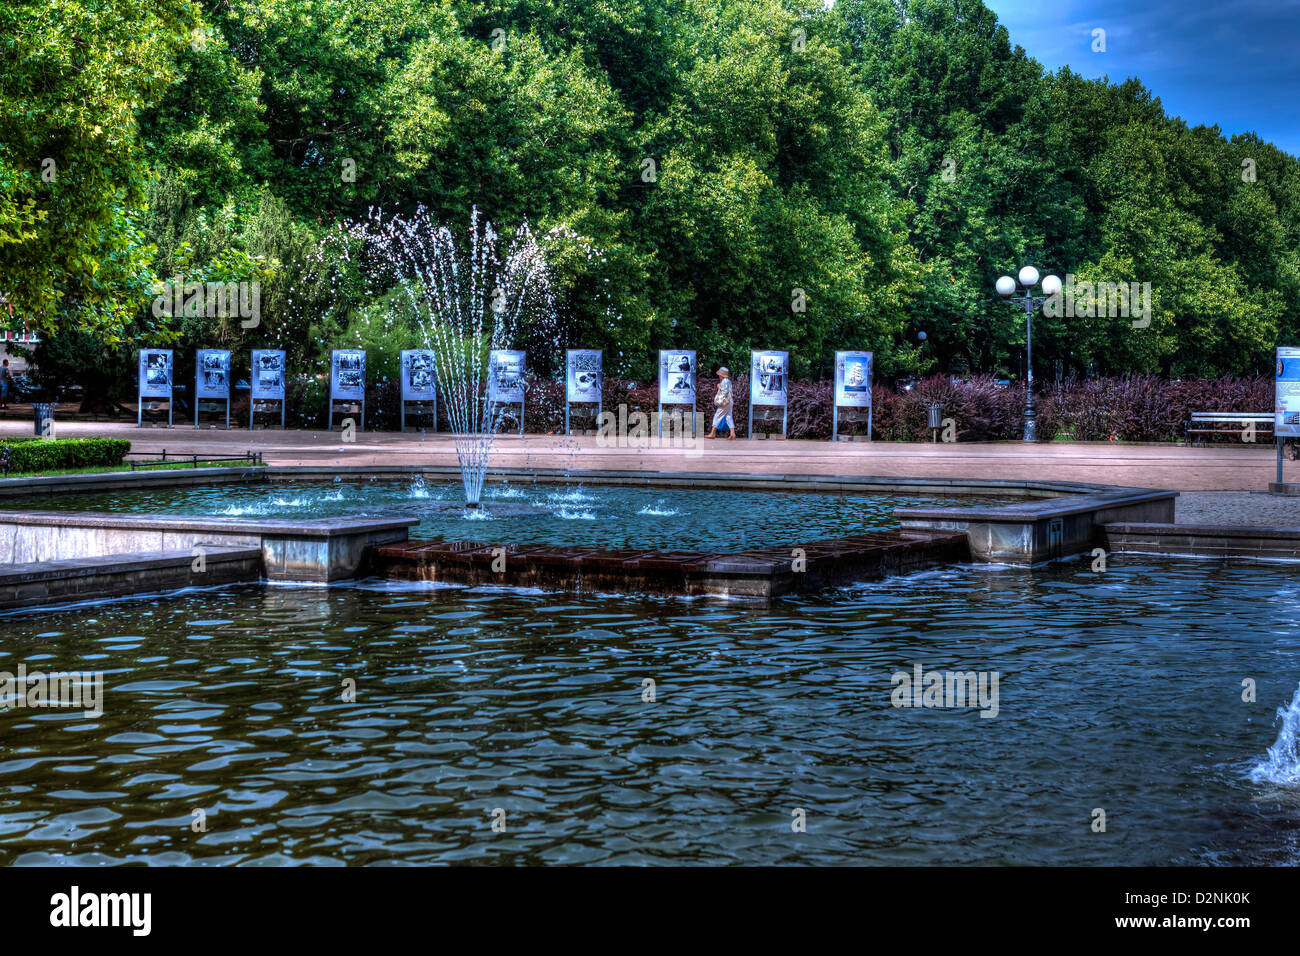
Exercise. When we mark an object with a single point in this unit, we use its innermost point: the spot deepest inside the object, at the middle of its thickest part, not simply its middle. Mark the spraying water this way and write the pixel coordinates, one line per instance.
(1282, 765)
(467, 298)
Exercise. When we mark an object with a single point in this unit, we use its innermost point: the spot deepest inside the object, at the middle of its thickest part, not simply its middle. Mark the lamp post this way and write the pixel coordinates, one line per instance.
(1006, 287)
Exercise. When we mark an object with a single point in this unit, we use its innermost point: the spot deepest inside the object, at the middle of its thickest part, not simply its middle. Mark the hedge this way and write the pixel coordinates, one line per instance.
(1143, 408)
(57, 454)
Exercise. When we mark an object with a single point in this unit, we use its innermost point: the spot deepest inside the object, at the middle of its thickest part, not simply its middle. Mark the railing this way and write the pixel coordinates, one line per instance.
(253, 458)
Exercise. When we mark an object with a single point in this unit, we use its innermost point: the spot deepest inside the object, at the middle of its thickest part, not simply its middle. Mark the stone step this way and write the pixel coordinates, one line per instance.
(1202, 541)
(117, 575)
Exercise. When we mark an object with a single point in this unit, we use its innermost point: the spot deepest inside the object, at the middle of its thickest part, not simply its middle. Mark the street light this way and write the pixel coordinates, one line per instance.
(1006, 287)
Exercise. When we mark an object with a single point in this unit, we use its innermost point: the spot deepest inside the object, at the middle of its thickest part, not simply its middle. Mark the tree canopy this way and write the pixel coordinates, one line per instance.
(715, 174)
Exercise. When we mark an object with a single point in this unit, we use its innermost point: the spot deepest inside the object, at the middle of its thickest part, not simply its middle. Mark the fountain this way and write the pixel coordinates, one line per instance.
(1282, 765)
(468, 298)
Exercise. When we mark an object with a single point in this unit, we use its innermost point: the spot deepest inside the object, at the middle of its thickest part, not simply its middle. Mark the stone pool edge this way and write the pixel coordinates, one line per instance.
(80, 543)
(111, 481)
(68, 550)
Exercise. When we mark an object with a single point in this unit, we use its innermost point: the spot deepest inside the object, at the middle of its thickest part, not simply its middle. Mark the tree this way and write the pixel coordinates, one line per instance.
(73, 76)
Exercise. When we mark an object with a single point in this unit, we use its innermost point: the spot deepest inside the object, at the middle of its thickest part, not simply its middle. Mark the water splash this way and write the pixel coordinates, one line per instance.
(658, 510)
(570, 496)
(419, 489)
(277, 506)
(466, 297)
(1282, 765)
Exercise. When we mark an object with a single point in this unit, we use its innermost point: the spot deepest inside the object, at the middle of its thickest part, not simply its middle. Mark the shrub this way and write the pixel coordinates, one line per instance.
(1128, 408)
(57, 454)
(308, 399)
(1143, 407)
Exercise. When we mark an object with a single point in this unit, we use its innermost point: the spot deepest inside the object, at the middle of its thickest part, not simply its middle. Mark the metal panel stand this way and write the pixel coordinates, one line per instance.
(329, 425)
(418, 411)
(835, 421)
(493, 406)
(785, 421)
(196, 410)
(252, 411)
(660, 419)
(600, 410)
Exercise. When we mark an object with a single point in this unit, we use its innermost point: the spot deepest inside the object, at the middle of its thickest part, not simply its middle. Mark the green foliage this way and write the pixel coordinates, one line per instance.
(712, 174)
(73, 76)
(55, 454)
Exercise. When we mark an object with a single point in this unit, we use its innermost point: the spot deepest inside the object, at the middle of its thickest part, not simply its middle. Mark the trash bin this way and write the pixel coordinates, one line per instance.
(44, 412)
(934, 418)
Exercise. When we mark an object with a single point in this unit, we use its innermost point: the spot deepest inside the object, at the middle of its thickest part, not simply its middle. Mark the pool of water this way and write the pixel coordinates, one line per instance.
(602, 517)
(1119, 691)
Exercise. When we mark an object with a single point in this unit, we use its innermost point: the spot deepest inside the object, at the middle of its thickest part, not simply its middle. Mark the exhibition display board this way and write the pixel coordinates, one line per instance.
(1286, 394)
(769, 382)
(1286, 401)
(583, 379)
(506, 383)
(677, 373)
(211, 380)
(852, 387)
(419, 384)
(347, 383)
(155, 381)
(267, 383)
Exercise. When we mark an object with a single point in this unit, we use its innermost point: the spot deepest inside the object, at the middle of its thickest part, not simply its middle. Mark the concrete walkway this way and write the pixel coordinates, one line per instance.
(1237, 508)
(1214, 468)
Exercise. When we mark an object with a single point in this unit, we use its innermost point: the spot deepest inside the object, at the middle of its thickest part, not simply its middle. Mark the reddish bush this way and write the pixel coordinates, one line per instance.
(1142, 407)
(1129, 408)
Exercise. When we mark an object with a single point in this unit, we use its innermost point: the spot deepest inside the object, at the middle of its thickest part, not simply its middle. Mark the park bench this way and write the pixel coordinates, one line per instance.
(1230, 423)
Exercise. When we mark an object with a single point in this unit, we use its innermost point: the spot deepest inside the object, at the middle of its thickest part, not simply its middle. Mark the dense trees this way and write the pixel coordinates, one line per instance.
(73, 168)
(718, 174)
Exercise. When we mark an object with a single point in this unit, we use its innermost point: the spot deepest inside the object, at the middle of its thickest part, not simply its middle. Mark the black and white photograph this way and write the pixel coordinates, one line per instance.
(348, 380)
(506, 376)
(268, 374)
(213, 373)
(584, 377)
(676, 377)
(767, 382)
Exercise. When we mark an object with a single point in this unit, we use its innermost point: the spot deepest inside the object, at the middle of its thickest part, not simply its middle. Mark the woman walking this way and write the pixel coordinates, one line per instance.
(723, 402)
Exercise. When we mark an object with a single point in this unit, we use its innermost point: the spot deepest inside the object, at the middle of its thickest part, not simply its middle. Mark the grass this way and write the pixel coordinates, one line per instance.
(112, 469)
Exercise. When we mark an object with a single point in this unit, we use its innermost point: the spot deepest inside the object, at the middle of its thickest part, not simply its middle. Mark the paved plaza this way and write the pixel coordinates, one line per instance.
(1216, 468)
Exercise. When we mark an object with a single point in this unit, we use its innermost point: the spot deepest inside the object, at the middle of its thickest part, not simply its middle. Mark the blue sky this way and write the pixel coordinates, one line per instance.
(1231, 63)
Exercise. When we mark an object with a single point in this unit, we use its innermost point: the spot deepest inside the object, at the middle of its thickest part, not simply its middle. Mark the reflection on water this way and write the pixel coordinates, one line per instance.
(1120, 690)
(606, 517)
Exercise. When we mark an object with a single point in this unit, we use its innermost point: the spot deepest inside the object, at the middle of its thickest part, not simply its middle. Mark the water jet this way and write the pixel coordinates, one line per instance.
(468, 298)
